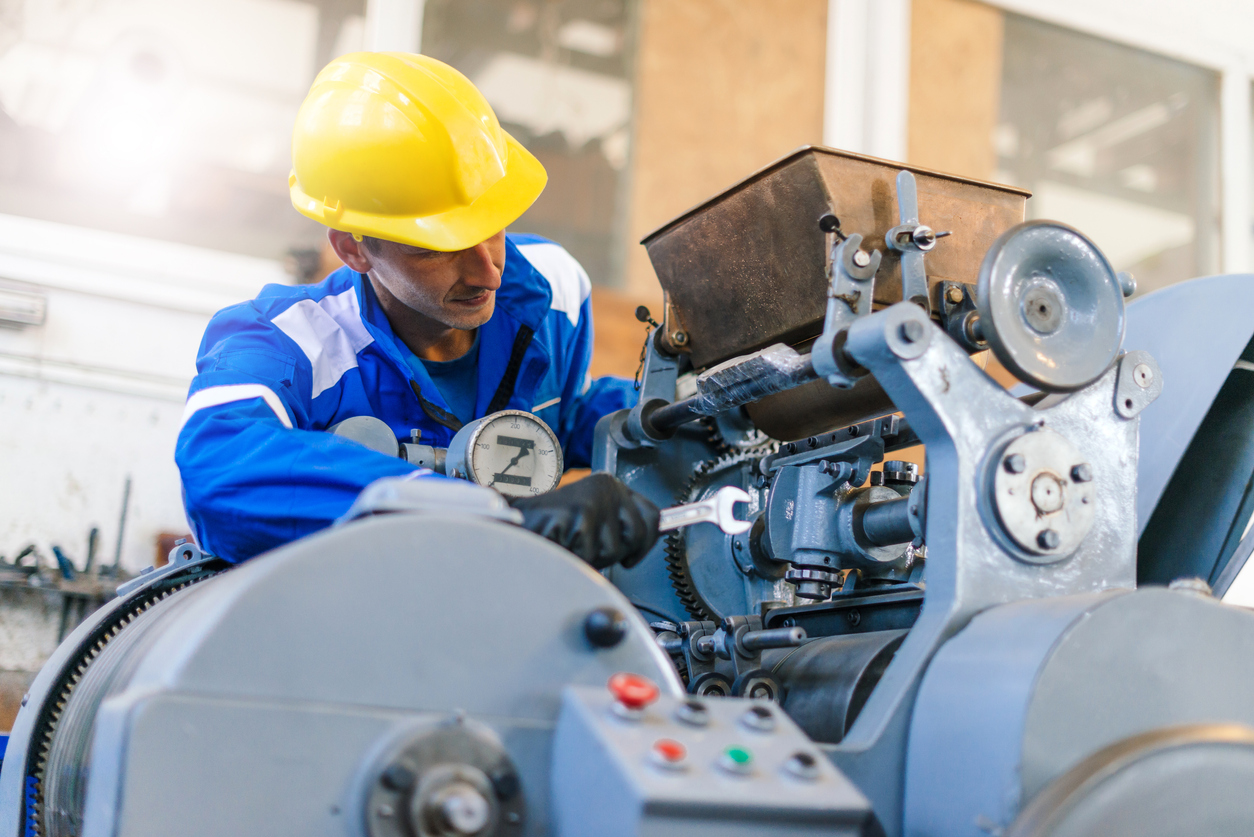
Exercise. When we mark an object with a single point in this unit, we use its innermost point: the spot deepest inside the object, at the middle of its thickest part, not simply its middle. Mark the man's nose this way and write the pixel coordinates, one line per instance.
(478, 269)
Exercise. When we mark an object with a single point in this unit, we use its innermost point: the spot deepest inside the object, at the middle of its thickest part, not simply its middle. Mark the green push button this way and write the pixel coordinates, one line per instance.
(737, 760)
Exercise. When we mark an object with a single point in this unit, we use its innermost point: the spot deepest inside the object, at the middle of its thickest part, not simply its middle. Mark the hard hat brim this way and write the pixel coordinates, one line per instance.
(455, 229)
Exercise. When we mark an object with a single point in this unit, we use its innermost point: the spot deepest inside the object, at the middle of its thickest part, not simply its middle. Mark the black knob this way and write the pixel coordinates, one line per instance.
(829, 223)
(605, 627)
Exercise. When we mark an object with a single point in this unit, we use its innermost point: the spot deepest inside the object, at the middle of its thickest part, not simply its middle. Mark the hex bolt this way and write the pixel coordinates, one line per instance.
(1143, 375)
(1048, 539)
(1015, 463)
(911, 331)
(861, 258)
(954, 295)
(1082, 472)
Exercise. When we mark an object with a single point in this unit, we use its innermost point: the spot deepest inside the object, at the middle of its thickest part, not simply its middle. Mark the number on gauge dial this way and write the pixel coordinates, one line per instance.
(517, 454)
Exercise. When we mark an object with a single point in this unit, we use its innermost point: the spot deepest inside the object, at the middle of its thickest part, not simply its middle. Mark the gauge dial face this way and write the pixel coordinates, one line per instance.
(515, 453)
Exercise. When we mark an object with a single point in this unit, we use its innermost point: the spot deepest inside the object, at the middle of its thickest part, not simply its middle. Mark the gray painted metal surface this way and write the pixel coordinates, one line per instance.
(274, 681)
(1188, 330)
(1029, 690)
(965, 419)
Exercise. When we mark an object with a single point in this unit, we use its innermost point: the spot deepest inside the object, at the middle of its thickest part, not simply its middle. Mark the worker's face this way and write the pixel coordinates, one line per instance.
(457, 289)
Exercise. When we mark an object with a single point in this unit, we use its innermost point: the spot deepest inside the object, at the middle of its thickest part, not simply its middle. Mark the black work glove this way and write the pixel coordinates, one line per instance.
(598, 518)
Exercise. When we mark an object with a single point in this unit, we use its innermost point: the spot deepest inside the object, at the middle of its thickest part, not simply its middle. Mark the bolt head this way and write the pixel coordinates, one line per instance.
(1048, 539)
(924, 237)
(1082, 472)
(1015, 463)
(861, 258)
(911, 331)
(954, 295)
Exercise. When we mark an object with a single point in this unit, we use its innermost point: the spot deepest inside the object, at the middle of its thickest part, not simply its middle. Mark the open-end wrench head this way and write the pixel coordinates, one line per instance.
(725, 500)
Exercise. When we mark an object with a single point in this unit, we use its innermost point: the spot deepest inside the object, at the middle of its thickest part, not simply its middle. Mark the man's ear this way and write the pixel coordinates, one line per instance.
(351, 251)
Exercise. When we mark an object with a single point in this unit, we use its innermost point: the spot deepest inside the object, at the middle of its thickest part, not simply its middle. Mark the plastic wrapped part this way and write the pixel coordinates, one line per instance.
(757, 250)
(737, 382)
(745, 380)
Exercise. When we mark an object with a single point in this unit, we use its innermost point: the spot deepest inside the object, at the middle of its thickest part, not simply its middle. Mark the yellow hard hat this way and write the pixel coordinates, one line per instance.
(404, 148)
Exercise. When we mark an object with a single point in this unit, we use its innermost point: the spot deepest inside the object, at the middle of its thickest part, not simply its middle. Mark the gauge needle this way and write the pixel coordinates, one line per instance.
(521, 453)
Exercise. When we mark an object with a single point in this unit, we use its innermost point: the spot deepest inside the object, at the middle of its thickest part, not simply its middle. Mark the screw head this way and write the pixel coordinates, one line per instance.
(924, 237)
(861, 258)
(1082, 472)
(953, 295)
(911, 331)
(1015, 463)
(1048, 539)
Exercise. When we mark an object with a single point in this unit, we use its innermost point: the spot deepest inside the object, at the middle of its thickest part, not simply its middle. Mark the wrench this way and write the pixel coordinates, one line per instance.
(716, 509)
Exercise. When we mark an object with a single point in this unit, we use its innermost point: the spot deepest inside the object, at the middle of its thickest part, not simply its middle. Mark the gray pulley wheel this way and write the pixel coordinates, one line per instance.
(1051, 307)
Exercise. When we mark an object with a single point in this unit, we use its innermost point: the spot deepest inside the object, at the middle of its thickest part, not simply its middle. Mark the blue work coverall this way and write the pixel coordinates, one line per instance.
(275, 371)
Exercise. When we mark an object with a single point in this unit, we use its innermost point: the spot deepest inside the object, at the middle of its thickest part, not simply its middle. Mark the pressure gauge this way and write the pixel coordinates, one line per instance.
(512, 451)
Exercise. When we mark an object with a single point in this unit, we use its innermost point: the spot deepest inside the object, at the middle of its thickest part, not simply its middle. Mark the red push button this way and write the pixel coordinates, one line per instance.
(668, 752)
(633, 691)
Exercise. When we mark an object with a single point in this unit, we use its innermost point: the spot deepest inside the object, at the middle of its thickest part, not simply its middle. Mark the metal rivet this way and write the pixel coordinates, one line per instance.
(1082, 472)
(1015, 463)
(680, 338)
(1048, 539)
(1143, 375)
(861, 258)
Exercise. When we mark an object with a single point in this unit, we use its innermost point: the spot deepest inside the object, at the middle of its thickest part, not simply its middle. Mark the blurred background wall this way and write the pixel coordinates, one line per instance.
(144, 158)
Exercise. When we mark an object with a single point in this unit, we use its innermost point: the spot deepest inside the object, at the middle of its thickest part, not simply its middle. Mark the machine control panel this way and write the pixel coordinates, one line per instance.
(731, 762)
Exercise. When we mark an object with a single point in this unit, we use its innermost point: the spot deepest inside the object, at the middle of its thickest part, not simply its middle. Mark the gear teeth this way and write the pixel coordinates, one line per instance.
(46, 727)
(676, 552)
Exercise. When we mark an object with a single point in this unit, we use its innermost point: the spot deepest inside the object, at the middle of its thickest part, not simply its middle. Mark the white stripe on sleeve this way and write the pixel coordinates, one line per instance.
(216, 396)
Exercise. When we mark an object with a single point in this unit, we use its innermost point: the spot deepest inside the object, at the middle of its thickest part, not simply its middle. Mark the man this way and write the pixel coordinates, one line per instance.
(438, 317)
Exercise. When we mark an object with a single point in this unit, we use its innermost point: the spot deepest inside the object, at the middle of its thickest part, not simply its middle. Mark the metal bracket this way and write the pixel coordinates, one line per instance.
(850, 289)
(966, 420)
(185, 556)
(1140, 381)
(912, 239)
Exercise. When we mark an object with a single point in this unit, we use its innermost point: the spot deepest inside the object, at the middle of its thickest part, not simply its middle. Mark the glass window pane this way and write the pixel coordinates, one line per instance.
(1120, 143)
(558, 76)
(169, 120)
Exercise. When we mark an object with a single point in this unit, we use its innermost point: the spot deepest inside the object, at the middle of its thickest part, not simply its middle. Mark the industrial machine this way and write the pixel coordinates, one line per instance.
(838, 642)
